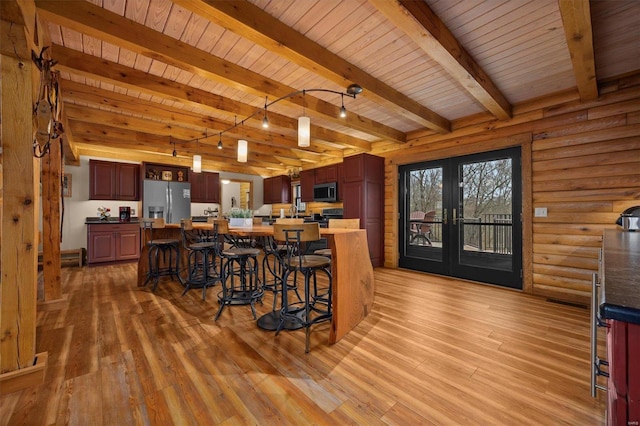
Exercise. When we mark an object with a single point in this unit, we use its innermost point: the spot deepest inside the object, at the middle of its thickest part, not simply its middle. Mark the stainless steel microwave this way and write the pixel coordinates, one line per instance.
(326, 192)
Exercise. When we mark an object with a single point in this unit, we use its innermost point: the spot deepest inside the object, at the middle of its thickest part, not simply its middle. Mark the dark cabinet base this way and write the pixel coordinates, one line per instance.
(107, 242)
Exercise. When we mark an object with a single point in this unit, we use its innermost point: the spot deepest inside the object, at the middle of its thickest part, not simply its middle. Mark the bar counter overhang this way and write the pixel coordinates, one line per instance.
(351, 269)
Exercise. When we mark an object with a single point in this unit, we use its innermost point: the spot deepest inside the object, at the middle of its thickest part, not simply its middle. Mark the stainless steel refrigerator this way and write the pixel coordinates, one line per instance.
(166, 199)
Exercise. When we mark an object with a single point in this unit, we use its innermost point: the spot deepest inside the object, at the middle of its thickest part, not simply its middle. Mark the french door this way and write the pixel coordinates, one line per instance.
(461, 217)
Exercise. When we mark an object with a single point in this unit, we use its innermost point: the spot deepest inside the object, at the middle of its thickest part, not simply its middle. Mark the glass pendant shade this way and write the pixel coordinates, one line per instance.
(242, 151)
(304, 131)
(197, 164)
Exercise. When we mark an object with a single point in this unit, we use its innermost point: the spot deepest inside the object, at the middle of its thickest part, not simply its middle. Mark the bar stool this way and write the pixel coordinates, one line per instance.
(273, 263)
(239, 272)
(306, 312)
(339, 223)
(201, 260)
(157, 250)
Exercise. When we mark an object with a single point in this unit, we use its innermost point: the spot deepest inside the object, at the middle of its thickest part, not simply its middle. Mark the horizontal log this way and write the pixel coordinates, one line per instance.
(602, 148)
(567, 129)
(587, 195)
(563, 282)
(588, 137)
(611, 182)
(620, 157)
(563, 271)
(568, 240)
(570, 229)
(564, 260)
(557, 249)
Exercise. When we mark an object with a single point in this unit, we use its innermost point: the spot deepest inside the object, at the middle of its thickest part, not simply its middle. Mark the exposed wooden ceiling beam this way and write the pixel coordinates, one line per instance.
(97, 22)
(252, 23)
(183, 138)
(576, 19)
(96, 97)
(420, 23)
(93, 67)
(92, 150)
(105, 135)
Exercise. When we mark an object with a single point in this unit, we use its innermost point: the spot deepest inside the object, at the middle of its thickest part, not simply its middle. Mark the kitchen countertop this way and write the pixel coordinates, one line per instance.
(112, 220)
(620, 297)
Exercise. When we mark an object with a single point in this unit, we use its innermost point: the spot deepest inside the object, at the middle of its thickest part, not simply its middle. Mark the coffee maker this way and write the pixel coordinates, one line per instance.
(125, 214)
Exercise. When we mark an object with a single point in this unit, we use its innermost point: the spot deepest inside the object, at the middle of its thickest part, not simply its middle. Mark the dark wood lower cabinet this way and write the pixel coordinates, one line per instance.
(623, 386)
(107, 242)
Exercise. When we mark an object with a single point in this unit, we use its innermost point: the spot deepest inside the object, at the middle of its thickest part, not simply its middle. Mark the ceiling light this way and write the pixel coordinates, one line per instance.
(304, 131)
(197, 164)
(265, 120)
(343, 110)
(242, 151)
(220, 142)
(354, 89)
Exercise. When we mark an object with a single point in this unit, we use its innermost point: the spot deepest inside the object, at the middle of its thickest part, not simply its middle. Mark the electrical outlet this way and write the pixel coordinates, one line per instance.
(540, 212)
(133, 212)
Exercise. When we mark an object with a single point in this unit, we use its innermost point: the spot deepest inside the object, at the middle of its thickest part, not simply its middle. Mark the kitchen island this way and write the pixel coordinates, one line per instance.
(620, 308)
(351, 269)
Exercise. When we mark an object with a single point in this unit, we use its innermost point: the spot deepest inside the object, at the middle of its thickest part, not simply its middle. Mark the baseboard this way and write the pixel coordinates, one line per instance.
(25, 377)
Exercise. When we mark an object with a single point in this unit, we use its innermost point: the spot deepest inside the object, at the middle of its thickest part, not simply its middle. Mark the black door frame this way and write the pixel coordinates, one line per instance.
(445, 261)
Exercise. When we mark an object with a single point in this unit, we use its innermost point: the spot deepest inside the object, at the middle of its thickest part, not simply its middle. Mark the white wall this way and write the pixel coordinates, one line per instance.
(229, 191)
(78, 207)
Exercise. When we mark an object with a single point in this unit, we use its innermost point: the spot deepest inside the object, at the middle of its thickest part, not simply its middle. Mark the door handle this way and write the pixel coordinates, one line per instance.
(454, 216)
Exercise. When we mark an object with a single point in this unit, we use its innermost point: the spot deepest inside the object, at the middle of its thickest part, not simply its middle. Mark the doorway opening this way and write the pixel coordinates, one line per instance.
(236, 193)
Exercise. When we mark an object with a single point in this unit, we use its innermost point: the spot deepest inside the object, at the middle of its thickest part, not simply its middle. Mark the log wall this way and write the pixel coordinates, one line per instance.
(581, 160)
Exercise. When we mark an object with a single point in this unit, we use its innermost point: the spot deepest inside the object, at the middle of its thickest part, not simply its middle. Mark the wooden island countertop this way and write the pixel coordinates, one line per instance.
(351, 269)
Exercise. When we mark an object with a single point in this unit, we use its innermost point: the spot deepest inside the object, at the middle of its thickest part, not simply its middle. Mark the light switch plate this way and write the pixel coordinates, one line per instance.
(540, 212)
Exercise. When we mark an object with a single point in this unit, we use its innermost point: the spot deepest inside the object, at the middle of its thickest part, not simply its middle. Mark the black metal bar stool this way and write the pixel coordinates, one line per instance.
(202, 271)
(308, 311)
(321, 294)
(163, 253)
(239, 270)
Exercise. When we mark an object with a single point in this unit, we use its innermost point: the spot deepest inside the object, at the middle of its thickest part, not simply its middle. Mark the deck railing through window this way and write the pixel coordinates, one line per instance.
(489, 233)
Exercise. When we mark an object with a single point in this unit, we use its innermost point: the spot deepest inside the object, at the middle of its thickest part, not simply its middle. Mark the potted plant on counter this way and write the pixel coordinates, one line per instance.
(241, 218)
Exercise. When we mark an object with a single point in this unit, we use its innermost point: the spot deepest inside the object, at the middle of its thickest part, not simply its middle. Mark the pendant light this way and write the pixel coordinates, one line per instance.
(242, 151)
(304, 131)
(265, 119)
(197, 163)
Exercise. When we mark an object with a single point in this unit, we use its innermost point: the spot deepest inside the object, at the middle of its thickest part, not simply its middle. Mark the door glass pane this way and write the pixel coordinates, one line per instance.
(424, 205)
(485, 214)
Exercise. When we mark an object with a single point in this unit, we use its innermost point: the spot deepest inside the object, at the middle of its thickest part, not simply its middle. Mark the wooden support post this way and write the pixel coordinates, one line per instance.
(51, 193)
(19, 200)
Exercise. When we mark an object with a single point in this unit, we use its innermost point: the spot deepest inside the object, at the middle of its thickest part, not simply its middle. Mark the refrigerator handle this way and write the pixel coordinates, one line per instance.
(168, 195)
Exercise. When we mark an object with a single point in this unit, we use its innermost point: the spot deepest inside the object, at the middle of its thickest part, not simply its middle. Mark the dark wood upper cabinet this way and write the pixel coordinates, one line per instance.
(205, 187)
(307, 180)
(267, 191)
(363, 191)
(340, 180)
(326, 174)
(277, 190)
(114, 181)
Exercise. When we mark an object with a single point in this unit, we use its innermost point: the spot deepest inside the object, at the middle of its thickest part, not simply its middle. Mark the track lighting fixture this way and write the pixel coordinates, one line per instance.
(304, 122)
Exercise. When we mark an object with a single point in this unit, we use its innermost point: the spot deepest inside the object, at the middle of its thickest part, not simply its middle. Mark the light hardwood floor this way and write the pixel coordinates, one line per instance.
(433, 351)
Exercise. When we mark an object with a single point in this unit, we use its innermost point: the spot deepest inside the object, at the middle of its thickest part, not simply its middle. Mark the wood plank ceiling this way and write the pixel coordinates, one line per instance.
(139, 77)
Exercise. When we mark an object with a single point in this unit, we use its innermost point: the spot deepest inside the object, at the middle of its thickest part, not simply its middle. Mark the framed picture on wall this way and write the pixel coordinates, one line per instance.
(66, 185)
